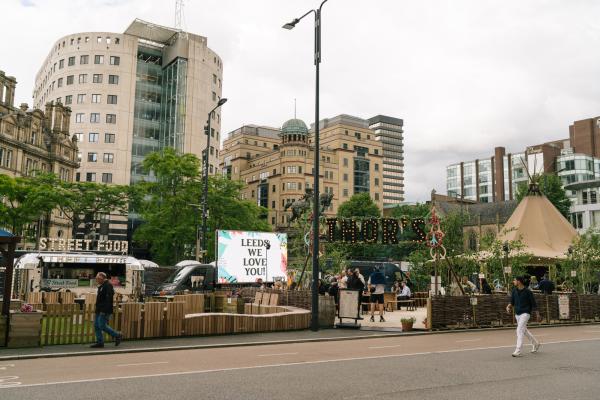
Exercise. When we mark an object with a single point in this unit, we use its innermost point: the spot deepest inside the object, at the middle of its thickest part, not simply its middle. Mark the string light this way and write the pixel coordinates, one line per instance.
(348, 231)
(331, 223)
(370, 230)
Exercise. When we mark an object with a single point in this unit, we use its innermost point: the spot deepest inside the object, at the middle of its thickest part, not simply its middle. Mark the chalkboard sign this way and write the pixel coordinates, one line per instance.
(349, 304)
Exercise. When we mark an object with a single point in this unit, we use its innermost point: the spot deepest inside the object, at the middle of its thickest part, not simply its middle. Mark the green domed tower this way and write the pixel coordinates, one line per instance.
(294, 131)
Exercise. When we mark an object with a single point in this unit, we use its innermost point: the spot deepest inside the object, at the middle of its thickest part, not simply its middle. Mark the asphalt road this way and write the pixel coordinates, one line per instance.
(466, 365)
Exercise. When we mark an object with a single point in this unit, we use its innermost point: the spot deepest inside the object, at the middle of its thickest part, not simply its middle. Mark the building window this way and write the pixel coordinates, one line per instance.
(345, 162)
(584, 197)
(376, 167)
(70, 79)
(274, 189)
(106, 177)
(345, 146)
(117, 40)
(79, 137)
(113, 79)
(71, 61)
(376, 196)
(80, 98)
(214, 96)
(376, 181)
(84, 59)
(273, 204)
(111, 118)
(111, 99)
(96, 98)
(98, 59)
(90, 177)
(99, 39)
(108, 158)
(79, 117)
(61, 64)
(345, 192)
(109, 138)
(94, 118)
(69, 99)
(114, 60)
(82, 78)
(93, 137)
(376, 151)
(60, 82)
(593, 198)
(345, 177)
(97, 78)
(92, 157)
(77, 176)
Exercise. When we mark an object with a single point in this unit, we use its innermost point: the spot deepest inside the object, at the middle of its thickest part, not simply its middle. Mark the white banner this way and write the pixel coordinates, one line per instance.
(245, 257)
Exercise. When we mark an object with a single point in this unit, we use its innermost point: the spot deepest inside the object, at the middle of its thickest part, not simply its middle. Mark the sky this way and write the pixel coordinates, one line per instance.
(464, 75)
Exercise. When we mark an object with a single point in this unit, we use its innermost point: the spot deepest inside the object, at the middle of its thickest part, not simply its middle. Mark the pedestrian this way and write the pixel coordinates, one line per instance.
(334, 290)
(376, 286)
(355, 282)
(104, 309)
(546, 286)
(523, 302)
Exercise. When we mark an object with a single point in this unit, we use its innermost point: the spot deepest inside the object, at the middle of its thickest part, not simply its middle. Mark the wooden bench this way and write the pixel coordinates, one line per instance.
(410, 305)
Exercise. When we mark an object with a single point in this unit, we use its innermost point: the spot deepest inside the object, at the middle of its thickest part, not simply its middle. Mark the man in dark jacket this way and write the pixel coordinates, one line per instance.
(546, 286)
(104, 309)
(523, 302)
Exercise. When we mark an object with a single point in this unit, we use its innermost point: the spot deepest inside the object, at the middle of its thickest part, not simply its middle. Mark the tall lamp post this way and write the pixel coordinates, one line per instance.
(205, 177)
(314, 323)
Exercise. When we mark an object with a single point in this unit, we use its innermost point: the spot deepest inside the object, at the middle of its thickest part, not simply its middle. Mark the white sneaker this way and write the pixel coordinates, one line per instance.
(536, 347)
(517, 353)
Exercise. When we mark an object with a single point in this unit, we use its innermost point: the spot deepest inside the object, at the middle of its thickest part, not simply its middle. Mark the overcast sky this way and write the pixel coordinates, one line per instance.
(464, 75)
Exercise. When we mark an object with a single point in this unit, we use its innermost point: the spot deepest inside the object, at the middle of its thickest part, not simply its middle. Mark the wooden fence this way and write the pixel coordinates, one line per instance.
(72, 324)
(448, 312)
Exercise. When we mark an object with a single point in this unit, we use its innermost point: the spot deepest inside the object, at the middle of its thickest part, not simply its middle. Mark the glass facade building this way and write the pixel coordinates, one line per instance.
(389, 131)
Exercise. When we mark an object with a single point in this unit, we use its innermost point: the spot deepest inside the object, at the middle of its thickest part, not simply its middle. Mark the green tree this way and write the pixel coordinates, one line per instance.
(170, 209)
(359, 205)
(25, 200)
(551, 186)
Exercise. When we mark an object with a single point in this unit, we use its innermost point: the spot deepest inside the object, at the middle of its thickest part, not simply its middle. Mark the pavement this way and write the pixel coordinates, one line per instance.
(463, 364)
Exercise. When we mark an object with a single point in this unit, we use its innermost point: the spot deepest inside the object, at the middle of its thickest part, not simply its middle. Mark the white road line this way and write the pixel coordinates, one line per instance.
(276, 354)
(387, 347)
(208, 371)
(3, 367)
(147, 363)
(467, 340)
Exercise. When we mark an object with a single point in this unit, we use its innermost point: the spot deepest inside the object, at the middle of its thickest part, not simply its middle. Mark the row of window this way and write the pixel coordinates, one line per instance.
(91, 177)
(83, 78)
(94, 137)
(107, 158)
(85, 59)
(6, 157)
(95, 118)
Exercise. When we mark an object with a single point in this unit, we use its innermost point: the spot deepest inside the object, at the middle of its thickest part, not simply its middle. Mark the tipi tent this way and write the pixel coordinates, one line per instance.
(544, 231)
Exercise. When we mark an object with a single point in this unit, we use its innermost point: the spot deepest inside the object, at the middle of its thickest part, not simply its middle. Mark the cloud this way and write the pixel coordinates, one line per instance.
(465, 76)
(27, 3)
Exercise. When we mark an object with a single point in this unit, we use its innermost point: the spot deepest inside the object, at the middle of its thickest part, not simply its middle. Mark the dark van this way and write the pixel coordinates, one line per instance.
(391, 271)
(188, 275)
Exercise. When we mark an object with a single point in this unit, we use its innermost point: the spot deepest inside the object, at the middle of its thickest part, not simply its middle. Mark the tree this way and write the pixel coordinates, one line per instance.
(359, 205)
(551, 186)
(170, 211)
(24, 200)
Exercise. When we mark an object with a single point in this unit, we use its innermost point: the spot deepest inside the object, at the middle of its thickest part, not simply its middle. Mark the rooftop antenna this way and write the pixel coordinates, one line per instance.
(180, 18)
(294, 108)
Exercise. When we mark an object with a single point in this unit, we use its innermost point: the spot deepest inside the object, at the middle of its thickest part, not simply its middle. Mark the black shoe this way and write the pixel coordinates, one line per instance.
(381, 319)
(97, 346)
(372, 318)
(118, 339)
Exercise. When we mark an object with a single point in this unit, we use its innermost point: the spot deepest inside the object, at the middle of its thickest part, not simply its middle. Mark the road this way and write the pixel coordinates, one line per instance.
(465, 365)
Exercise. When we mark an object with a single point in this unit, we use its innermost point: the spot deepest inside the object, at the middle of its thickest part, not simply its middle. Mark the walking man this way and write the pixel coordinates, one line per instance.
(104, 309)
(377, 288)
(523, 302)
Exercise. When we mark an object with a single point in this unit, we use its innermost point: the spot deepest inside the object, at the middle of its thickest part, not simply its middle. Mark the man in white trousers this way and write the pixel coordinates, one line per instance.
(524, 304)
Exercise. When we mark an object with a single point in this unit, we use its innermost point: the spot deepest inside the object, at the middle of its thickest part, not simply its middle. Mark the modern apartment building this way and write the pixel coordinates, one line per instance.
(132, 93)
(277, 164)
(389, 131)
(33, 141)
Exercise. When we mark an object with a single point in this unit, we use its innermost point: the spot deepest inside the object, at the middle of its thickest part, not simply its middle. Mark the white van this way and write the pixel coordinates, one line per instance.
(76, 272)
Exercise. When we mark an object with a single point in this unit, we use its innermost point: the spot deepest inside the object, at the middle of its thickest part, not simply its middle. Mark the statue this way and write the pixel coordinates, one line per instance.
(299, 207)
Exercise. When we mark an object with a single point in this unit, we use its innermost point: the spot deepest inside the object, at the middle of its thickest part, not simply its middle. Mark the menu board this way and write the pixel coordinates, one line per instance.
(349, 303)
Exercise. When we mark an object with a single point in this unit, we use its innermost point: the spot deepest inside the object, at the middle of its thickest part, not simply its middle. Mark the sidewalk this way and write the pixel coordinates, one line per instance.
(197, 342)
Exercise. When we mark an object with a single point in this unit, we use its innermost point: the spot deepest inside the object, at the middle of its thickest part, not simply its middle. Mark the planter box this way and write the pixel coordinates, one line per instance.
(25, 329)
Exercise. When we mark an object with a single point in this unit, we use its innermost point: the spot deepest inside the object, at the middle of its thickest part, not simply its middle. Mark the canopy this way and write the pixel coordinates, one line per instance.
(544, 231)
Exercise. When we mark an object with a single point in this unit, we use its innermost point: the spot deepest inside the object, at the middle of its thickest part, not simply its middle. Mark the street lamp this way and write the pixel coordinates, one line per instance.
(314, 323)
(205, 177)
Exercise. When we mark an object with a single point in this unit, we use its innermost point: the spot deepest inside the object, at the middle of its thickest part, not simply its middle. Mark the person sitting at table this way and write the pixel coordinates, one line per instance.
(468, 286)
(404, 293)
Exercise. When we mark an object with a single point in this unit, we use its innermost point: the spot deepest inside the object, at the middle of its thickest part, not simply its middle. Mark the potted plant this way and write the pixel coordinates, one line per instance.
(407, 323)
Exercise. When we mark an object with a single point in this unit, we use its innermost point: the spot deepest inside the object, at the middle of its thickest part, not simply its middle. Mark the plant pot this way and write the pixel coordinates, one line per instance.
(407, 326)
(24, 329)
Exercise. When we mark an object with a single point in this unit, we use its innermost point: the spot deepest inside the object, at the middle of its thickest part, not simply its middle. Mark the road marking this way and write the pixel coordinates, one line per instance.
(3, 367)
(147, 363)
(467, 340)
(208, 371)
(277, 354)
(8, 381)
(386, 347)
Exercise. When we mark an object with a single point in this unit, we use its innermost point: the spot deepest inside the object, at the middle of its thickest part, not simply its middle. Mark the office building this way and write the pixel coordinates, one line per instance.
(389, 131)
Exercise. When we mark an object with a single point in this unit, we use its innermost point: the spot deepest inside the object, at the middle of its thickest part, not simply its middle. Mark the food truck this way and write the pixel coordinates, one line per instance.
(76, 272)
